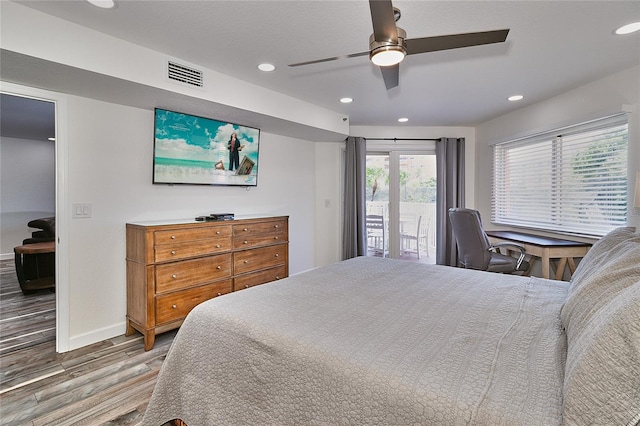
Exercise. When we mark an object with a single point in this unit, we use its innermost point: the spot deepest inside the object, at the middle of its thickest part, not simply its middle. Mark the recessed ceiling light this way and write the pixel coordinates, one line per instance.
(403, 120)
(266, 67)
(104, 4)
(346, 100)
(629, 28)
(515, 98)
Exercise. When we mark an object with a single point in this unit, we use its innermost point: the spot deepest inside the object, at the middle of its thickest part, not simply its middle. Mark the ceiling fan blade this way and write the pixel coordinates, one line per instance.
(454, 41)
(384, 22)
(335, 58)
(390, 75)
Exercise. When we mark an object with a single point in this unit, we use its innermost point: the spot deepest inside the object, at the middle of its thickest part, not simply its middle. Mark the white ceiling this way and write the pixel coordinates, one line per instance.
(553, 46)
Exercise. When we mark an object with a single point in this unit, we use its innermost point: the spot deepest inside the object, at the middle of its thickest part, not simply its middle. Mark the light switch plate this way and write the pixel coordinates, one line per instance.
(81, 210)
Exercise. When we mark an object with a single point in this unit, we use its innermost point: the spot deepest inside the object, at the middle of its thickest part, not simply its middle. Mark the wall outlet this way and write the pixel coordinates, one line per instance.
(81, 210)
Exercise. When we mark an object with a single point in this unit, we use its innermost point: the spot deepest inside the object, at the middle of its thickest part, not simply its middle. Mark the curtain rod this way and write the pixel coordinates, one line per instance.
(401, 139)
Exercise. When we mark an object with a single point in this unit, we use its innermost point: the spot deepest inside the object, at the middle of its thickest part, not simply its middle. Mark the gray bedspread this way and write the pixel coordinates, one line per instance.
(371, 341)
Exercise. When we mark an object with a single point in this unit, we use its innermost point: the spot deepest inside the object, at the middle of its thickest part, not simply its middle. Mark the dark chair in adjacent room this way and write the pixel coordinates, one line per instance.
(46, 230)
(475, 251)
(35, 260)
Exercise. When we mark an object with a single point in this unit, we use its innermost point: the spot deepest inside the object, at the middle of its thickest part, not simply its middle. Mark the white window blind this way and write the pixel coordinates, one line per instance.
(570, 180)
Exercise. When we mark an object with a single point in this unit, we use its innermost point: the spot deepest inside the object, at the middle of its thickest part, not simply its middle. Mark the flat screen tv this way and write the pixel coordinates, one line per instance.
(202, 151)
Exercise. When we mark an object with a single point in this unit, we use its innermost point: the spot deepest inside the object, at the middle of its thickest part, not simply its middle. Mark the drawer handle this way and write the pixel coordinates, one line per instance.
(173, 237)
(277, 277)
(277, 254)
(218, 232)
(218, 267)
(173, 252)
(276, 226)
(275, 238)
(174, 276)
(246, 261)
(245, 229)
(174, 306)
(217, 245)
(246, 286)
(219, 294)
(245, 242)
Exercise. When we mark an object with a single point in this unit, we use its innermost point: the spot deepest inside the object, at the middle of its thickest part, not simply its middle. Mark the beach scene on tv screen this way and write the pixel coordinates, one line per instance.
(197, 150)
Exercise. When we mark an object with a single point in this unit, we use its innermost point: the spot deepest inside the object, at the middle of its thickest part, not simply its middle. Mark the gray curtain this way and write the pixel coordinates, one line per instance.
(354, 239)
(450, 193)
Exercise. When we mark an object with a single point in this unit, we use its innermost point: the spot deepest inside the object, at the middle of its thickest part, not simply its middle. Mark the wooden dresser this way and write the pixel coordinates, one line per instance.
(174, 266)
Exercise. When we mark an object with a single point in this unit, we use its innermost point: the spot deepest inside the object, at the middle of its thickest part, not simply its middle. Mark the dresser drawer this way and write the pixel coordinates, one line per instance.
(175, 306)
(192, 234)
(259, 228)
(261, 277)
(188, 273)
(176, 251)
(253, 260)
(256, 239)
(259, 234)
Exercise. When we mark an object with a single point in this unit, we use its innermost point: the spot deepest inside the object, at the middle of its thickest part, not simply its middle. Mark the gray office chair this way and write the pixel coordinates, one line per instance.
(475, 251)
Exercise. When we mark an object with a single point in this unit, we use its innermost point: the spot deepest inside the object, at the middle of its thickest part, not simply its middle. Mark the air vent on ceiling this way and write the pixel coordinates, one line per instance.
(185, 74)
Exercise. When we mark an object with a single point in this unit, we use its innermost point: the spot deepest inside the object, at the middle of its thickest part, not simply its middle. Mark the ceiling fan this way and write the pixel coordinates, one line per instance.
(388, 44)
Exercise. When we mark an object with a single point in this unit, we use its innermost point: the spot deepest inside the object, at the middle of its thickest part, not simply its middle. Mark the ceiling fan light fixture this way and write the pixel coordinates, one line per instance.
(387, 56)
(388, 53)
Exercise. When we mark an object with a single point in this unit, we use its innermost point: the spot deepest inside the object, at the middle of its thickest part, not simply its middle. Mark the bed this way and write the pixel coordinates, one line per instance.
(372, 341)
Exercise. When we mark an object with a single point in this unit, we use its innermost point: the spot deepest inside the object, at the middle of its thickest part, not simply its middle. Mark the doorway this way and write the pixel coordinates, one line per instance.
(59, 102)
(401, 193)
(27, 208)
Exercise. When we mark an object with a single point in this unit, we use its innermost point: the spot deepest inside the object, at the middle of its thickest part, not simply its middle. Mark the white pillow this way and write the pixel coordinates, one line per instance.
(602, 248)
(610, 266)
(602, 371)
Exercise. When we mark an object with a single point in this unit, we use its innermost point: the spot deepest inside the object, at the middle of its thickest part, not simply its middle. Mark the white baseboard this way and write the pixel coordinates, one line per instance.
(6, 256)
(96, 336)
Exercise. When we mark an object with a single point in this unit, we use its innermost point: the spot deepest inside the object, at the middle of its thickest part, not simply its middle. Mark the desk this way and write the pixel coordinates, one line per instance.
(545, 248)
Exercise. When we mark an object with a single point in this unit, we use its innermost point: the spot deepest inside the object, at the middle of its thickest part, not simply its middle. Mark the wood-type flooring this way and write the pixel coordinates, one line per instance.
(107, 383)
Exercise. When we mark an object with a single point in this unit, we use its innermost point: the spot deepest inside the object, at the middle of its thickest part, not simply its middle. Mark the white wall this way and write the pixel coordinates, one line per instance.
(597, 99)
(329, 201)
(27, 188)
(110, 150)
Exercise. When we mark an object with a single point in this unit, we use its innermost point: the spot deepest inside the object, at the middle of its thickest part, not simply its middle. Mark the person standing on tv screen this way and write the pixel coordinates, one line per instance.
(234, 151)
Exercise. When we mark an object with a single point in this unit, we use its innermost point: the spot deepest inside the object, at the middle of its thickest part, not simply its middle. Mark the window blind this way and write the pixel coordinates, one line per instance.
(570, 180)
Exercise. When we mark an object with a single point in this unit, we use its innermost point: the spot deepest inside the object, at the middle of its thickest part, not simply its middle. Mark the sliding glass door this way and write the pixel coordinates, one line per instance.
(417, 206)
(401, 190)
